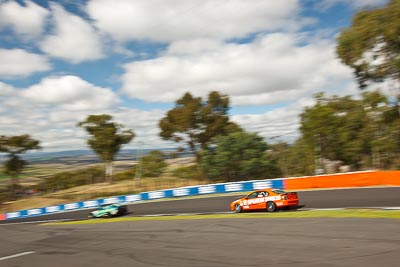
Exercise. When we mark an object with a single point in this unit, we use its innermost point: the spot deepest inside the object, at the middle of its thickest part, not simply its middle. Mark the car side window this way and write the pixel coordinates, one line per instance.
(261, 194)
(253, 195)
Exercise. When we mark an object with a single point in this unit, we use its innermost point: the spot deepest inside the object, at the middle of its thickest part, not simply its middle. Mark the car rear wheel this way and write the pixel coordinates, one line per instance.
(238, 208)
(121, 211)
(271, 207)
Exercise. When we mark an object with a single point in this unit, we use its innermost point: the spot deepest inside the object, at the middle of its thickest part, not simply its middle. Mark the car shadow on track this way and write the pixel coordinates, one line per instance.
(286, 209)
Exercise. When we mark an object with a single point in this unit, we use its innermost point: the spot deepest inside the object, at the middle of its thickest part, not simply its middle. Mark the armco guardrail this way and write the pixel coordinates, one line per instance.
(168, 193)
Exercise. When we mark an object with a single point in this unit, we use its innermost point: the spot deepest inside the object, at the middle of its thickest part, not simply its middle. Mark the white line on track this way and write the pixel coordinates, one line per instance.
(16, 255)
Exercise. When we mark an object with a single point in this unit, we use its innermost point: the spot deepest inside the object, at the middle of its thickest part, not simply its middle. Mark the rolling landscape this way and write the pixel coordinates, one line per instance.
(43, 166)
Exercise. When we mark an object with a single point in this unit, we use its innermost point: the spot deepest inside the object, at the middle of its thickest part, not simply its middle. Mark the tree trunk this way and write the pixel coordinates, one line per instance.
(15, 190)
(109, 172)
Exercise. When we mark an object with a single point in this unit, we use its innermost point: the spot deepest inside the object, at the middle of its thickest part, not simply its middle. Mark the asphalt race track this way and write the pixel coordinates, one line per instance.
(301, 242)
(205, 242)
(364, 197)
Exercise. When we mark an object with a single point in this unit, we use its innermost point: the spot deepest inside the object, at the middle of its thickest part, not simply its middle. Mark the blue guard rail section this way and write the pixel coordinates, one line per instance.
(153, 195)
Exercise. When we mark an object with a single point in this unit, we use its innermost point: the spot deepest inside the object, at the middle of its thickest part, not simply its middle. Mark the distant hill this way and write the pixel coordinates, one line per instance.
(88, 156)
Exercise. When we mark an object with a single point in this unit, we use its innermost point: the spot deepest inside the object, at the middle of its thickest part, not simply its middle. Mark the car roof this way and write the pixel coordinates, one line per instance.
(265, 189)
(111, 204)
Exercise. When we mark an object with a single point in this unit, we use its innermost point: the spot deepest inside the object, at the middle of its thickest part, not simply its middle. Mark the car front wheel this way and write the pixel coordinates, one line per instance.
(238, 208)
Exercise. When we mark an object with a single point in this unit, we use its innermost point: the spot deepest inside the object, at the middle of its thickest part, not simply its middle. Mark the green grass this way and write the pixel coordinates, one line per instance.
(4, 176)
(350, 213)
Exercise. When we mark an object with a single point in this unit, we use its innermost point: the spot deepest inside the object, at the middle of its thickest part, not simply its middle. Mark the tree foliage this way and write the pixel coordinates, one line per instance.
(69, 179)
(294, 159)
(238, 156)
(14, 146)
(107, 138)
(361, 133)
(197, 122)
(371, 45)
(153, 164)
(190, 172)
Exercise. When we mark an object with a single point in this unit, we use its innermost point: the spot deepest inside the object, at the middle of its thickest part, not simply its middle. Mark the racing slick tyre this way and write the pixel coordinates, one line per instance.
(122, 211)
(271, 207)
(238, 208)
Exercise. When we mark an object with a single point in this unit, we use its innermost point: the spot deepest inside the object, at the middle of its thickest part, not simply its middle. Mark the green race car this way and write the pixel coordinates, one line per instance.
(109, 210)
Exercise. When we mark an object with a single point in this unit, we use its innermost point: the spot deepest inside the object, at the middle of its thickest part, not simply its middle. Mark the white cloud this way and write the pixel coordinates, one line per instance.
(40, 111)
(5, 89)
(5, 92)
(144, 124)
(166, 21)
(279, 124)
(18, 62)
(27, 19)
(18, 115)
(71, 93)
(74, 39)
(274, 68)
(51, 109)
(48, 110)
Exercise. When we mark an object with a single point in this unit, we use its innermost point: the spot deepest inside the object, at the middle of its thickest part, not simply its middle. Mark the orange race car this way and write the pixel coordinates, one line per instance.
(266, 199)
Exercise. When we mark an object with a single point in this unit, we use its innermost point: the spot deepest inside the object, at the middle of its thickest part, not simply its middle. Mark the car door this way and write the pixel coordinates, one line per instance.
(261, 199)
(253, 201)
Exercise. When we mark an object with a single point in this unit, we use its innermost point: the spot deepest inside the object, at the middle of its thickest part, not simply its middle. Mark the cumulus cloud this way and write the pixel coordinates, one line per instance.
(5, 92)
(250, 50)
(71, 93)
(26, 20)
(40, 110)
(275, 67)
(280, 124)
(18, 62)
(5, 89)
(17, 115)
(50, 110)
(166, 21)
(144, 124)
(74, 39)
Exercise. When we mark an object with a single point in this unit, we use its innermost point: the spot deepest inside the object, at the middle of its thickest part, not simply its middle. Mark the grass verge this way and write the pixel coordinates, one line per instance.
(350, 213)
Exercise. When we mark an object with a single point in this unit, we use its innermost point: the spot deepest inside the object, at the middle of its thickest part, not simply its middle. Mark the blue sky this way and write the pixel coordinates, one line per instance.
(61, 61)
